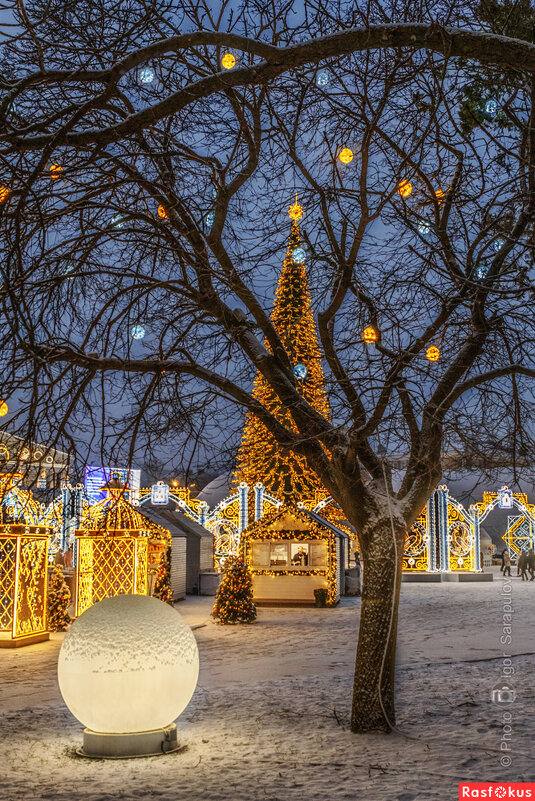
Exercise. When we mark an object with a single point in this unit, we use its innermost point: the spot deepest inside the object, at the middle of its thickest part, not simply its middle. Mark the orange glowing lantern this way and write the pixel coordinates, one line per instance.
(405, 188)
(346, 155)
(4, 192)
(228, 61)
(55, 171)
(369, 335)
(162, 213)
(439, 194)
(3, 408)
(432, 353)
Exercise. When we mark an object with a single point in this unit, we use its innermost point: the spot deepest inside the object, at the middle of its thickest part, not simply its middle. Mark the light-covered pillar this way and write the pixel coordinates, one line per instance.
(258, 500)
(243, 496)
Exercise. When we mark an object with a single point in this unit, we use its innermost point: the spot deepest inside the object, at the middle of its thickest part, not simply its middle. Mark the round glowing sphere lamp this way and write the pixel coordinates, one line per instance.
(127, 668)
(346, 155)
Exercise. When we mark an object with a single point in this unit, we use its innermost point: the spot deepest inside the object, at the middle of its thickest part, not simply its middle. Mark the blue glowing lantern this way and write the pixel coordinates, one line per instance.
(138, 332)
(145, 75)
(300, 371)
(118, 221)
(498, 244)
(481, 272)
(424, 227)
(209, 219)
(322, 78)
(491, 108)
(298, 255)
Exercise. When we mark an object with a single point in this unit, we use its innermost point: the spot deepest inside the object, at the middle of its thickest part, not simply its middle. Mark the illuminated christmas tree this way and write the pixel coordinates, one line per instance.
(59, 598)
(162, 585)
(260, 458)
(234, 598)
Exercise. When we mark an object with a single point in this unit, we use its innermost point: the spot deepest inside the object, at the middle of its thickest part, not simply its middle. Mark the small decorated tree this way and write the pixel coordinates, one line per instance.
(59, 598)
(234, 598)
(162, 585)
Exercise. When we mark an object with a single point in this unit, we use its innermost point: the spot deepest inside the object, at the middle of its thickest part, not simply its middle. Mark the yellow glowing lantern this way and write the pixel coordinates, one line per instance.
(55, 171)
(3, 408)
(433, 353)
(439, 194)
(4, 192)
(346, 155)
(162, 213)
(369, 335)
(113, 550)
(405, 188)
(23, 566)
(228, 61)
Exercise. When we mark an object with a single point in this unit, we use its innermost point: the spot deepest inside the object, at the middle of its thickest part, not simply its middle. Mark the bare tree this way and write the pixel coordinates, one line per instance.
(146, 187)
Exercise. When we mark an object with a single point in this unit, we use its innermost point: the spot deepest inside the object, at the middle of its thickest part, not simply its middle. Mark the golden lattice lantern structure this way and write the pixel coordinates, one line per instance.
(23, 566)
(113, 548)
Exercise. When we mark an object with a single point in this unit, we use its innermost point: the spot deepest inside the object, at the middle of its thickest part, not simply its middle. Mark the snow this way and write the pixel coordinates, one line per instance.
(269, 719)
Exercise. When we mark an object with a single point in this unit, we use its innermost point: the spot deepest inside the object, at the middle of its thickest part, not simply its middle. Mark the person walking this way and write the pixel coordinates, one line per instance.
(531, 563)
(503, 560)
(506, 563)
(523, 565)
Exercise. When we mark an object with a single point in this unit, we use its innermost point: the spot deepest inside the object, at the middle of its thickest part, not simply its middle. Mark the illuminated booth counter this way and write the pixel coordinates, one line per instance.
(291, 552)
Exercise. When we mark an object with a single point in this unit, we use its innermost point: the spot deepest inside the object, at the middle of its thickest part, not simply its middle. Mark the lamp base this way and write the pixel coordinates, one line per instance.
(157, 742)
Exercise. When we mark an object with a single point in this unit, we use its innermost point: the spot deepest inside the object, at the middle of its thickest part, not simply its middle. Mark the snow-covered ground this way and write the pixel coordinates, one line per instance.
(269, 720)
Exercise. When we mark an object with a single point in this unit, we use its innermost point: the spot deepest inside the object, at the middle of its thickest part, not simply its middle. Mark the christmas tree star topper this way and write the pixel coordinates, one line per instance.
(295, 211)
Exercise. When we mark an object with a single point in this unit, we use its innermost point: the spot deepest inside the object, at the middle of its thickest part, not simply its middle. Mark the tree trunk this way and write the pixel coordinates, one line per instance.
(373, 691)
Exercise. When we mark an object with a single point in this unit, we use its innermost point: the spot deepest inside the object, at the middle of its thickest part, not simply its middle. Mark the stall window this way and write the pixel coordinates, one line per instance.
(260, 553)
(318, 554)
(279, 554)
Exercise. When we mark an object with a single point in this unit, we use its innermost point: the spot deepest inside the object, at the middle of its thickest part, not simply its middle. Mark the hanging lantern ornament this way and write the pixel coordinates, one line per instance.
(433, 353)
(300, 371)
(209, 219)
(439, 194)
(491, 108)
(145, 75)
(298, 255)
(162, 212)
(322, 78)
(346, 155)
(3, 408)
(424, 227)
(405, 188)
(481, 271)
(228, 61)
(4, 193)
(369, 335)
(55, 171)
(498, 244)
(138, 332)
(118, 221)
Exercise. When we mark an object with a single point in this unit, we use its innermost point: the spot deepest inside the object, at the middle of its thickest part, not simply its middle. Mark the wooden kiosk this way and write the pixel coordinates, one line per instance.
(291, 552)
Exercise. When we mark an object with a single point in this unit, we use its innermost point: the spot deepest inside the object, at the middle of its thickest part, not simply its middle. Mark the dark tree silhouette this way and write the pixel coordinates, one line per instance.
(147, 188)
